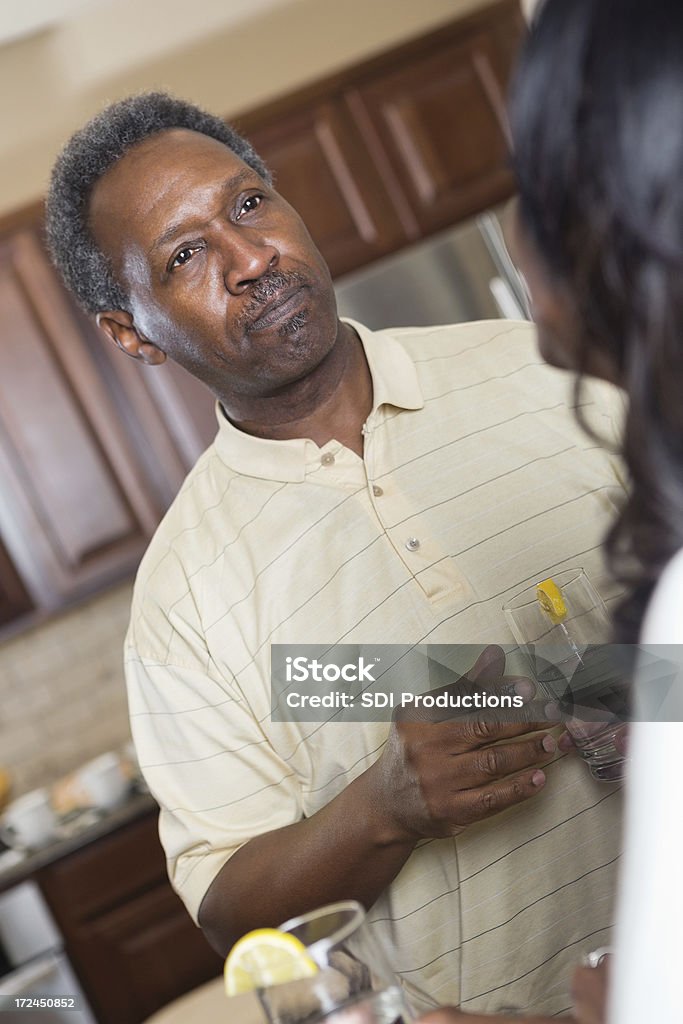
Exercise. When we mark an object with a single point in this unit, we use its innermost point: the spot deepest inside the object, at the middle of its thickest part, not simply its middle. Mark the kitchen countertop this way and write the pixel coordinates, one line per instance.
(77, 834)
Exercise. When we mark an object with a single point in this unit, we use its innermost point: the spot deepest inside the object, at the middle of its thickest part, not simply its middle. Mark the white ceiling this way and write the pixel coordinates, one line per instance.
(21, 18)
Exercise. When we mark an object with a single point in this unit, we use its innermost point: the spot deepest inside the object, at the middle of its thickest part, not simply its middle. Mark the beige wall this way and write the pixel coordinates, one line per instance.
(62, 699)
(51, 83)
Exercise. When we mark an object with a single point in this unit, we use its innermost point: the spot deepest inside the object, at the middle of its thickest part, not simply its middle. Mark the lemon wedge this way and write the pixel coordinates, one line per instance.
(266, 957)
(549, 596)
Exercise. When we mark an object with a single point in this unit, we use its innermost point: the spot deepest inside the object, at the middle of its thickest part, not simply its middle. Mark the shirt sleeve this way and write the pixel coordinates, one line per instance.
(209, 765)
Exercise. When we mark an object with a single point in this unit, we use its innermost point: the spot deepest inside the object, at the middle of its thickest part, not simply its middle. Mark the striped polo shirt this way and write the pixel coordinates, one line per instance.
(475, 481)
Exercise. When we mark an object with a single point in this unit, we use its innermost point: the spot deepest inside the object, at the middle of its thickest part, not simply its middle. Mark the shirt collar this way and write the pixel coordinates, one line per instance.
(394, 382)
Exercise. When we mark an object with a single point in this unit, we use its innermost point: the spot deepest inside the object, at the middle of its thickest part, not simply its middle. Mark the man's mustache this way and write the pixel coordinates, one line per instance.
(271, 284)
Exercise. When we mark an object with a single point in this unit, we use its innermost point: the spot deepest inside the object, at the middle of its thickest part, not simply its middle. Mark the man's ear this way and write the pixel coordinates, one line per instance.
(118, 326)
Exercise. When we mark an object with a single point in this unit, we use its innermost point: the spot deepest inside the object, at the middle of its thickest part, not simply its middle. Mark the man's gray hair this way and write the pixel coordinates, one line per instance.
(89, 154)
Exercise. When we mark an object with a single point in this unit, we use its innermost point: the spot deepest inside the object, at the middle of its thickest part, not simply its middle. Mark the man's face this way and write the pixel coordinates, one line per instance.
(221, 273)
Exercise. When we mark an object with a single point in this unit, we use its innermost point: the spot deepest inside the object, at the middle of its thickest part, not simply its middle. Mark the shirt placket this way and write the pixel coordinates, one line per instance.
(433, 570)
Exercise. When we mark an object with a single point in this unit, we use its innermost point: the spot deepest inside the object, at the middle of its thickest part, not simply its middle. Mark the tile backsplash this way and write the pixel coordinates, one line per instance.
(62, 695)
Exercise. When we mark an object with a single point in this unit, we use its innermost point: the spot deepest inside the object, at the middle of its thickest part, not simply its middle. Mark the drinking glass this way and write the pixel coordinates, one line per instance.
(354, 983)
(575, 666)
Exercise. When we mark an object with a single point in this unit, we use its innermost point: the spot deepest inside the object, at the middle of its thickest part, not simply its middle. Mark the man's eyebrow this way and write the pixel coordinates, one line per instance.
(179, 226)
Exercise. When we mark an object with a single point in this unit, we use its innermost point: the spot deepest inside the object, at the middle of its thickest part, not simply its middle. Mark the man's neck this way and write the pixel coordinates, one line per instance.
(332, 403)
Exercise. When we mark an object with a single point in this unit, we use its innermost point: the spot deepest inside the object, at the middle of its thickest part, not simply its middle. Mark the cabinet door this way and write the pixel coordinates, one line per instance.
(141, 956)
(129, 938)
(14, 600)
(168, 416)
(75, 511)
(439, 118)
(321, 167)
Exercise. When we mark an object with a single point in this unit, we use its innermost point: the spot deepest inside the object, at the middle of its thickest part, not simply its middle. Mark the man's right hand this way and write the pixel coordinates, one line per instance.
(433, 778)
(437, 776)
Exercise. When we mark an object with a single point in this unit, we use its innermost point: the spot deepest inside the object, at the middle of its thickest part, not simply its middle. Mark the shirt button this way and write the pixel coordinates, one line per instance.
(327, 459)
(412, 544)
(377, 490)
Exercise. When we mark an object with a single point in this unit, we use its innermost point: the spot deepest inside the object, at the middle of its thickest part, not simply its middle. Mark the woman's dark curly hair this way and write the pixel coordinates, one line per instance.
(597, 125)
(90, 152)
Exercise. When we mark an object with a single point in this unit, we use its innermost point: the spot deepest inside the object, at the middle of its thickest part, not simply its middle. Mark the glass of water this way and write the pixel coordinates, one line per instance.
(563, 628)
(354, 983)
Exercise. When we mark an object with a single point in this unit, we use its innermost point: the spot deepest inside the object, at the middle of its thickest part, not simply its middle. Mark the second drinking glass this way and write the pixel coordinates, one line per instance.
(563, 629)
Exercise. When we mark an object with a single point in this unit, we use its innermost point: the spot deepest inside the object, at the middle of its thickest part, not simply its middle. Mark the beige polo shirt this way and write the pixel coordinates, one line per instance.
(475, 480)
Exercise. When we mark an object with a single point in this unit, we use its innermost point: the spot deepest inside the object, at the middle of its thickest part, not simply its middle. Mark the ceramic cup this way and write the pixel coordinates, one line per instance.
(103, 781)
(29, 821)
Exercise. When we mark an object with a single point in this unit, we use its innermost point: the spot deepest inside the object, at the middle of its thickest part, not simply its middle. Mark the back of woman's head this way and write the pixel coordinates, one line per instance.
(597, 126)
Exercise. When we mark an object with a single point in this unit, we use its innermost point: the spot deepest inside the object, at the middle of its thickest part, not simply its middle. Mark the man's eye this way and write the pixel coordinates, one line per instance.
(183, 256)
(250, 204)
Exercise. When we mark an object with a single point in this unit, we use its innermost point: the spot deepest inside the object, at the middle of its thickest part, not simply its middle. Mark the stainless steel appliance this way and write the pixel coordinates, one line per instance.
(460, 274)
(37, 983)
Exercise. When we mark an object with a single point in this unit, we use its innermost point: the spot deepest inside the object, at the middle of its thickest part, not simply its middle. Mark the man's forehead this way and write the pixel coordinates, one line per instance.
(160, 167)
(168, 149)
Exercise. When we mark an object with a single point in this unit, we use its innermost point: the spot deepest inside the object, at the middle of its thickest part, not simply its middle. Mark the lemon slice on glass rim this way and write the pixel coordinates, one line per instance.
(549, 596)
(266, 957)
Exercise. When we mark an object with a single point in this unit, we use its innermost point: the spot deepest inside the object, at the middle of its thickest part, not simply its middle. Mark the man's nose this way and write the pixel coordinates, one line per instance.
(247, 258)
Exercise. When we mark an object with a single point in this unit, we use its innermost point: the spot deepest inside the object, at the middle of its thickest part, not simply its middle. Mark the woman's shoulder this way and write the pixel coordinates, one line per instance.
(663, 623)
(659, 678)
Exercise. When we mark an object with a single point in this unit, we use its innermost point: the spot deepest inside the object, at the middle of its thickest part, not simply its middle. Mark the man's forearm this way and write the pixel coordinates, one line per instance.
(432, 779)
(344, 851)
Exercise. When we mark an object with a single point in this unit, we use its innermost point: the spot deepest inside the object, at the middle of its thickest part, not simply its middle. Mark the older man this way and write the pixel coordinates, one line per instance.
(364, 487)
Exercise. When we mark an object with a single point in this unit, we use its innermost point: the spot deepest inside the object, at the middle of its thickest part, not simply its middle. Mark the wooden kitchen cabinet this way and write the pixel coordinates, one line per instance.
(167, 416)
(126, 933)
(401, 146)
(14, 600)
(73, 508)
(440, 120)
(320, 168)
(91, 450)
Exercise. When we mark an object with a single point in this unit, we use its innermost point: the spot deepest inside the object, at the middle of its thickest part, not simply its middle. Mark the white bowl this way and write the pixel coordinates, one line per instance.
(29, 821)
